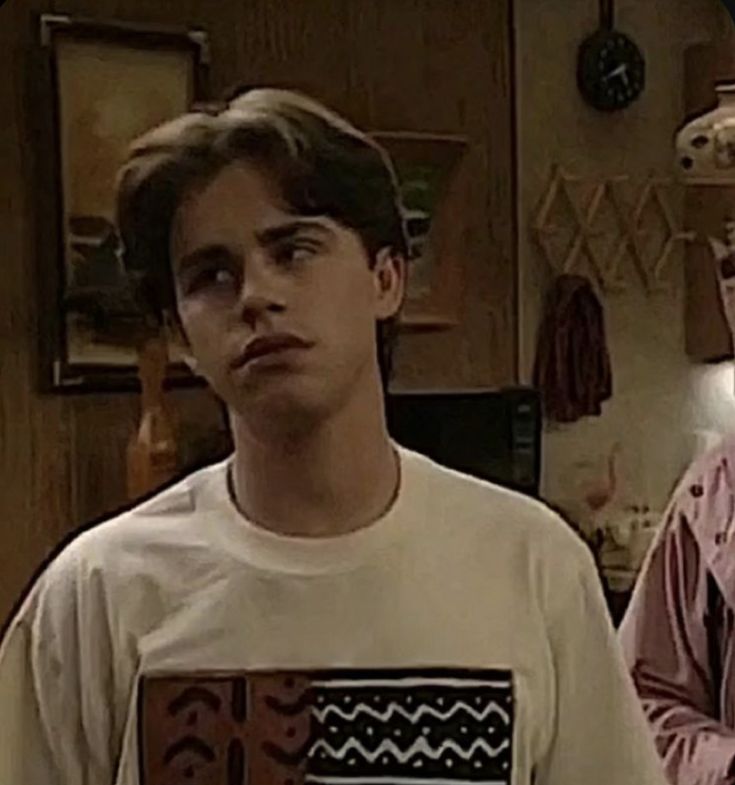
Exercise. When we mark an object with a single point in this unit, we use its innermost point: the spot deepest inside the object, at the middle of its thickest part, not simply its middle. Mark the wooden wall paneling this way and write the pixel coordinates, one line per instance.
(34, 479)
(102, 425)
(454, 60)
(294, 44)
(388, 55)
(492, 333)
(704, 66)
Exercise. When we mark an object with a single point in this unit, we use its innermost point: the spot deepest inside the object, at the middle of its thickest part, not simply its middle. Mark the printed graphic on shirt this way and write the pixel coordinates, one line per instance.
(343, 727)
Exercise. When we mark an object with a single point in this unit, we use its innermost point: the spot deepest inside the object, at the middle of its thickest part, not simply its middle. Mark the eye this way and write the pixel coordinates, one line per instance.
(295, 252)
(209, 277)
(223, 276)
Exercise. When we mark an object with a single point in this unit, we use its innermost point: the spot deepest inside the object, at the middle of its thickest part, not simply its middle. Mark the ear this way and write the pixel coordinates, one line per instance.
(176, 338)
(389, 276)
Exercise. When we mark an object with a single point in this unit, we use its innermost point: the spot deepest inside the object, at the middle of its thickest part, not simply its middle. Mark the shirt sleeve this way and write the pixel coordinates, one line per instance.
(600, 732)
(55, 684)
(668, 651)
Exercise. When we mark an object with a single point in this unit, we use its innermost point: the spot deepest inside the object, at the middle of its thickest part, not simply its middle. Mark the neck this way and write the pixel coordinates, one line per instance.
(336, 477)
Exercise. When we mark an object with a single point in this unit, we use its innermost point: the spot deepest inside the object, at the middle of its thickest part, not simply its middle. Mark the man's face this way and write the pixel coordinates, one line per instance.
(245, 268)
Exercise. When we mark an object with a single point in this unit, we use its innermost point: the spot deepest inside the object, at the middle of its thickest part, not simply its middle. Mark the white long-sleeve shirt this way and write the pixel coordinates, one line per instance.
(461, 638)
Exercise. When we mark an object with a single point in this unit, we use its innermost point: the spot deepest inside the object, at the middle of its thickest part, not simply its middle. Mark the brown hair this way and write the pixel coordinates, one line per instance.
(323, 165)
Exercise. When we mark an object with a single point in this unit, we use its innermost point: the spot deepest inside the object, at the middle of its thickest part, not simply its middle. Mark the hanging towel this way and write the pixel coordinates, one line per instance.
(572, 370)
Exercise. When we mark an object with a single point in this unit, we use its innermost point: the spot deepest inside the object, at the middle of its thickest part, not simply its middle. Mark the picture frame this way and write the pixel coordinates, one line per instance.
(428, 166)
(89, 323)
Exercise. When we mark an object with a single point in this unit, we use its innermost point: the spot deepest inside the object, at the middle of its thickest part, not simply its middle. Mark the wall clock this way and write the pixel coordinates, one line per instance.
(611, 68)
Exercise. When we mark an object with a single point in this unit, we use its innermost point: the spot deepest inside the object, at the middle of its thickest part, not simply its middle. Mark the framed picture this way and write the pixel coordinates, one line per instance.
(427, 166)
(98, 87)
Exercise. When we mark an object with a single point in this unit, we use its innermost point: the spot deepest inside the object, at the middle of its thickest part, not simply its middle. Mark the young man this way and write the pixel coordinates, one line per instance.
(678, 631)
(325, 606)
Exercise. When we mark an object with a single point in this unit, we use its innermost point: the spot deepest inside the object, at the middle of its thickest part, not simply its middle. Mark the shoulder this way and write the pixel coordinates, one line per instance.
(700, 517)
(520, 549)
(150, 538)
(500, 519)
(693, 541)
(171, 517)
(704, 500)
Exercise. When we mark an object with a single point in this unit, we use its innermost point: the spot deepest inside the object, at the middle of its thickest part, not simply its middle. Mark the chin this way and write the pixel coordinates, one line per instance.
(290, 400)
(280, 403)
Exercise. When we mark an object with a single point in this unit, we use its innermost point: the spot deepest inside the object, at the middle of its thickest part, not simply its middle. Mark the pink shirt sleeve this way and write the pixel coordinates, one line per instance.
(667, 648)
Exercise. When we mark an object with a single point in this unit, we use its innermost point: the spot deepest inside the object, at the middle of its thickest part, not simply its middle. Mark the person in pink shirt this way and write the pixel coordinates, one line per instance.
(677, 635)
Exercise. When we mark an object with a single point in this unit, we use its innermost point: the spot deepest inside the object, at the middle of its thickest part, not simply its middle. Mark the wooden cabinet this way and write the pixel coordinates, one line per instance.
(707, 334)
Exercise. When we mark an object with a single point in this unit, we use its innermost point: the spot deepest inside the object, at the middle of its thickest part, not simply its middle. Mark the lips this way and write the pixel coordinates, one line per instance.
(268, 344)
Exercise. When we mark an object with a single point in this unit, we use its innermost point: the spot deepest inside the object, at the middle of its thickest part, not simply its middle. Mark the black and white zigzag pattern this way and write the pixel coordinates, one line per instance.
(451, 727)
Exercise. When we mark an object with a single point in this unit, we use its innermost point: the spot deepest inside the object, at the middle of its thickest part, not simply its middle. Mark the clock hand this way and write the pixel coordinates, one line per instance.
(621, 70)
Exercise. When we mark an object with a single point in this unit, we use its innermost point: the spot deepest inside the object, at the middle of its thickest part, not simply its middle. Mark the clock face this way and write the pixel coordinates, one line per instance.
(611, 70)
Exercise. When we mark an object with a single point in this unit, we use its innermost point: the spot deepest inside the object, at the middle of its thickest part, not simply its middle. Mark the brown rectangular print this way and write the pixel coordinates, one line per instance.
(157, 75)
(337, 727)
(428, 169)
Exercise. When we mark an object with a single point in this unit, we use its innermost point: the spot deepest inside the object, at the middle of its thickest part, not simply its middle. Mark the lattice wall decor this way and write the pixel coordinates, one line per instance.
(610, 229)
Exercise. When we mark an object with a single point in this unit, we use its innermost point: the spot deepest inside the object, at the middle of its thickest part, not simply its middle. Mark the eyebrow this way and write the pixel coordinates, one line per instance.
(266, 237)
(202, 255)
(286, 231)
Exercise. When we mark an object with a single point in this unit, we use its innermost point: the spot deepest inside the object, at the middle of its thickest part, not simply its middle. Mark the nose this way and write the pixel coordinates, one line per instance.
(261, 291)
